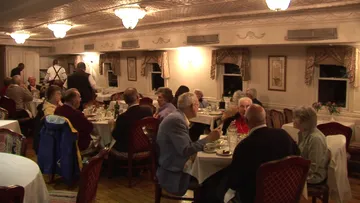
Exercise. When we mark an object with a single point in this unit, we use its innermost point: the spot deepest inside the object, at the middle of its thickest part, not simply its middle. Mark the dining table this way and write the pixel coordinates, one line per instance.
(11, 125)
(19, 170)
(208, 118)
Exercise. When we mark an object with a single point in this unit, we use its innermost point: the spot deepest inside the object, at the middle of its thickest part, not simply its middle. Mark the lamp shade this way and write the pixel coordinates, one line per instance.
(278, 5)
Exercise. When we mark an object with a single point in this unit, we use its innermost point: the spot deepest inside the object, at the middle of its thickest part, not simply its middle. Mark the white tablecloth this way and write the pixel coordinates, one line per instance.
(10, 124)
(338, 181)
(293, 132)
(18, 170)
(104, 130)
(32, 106)
(206, 119)
(103, 97)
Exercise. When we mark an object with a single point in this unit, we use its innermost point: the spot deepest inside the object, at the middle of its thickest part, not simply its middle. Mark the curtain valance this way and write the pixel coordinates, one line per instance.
(159, 57)
(113, 59)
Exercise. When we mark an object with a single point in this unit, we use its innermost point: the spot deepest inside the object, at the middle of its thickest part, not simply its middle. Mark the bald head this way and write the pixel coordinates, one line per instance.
(131, 96)
(255, 116)
(16, 79)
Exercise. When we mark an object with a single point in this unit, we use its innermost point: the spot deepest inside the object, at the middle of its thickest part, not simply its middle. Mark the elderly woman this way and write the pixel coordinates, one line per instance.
(53, 100)
(165, 98)
(252, 94)
(312, 143)
(202, 102)
(239, 117)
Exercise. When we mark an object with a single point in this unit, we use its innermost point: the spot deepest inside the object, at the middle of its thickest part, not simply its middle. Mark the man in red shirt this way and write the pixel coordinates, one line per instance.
(239, 118)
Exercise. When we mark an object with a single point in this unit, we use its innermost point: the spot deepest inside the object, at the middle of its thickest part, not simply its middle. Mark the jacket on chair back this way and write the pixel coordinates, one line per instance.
(58, 152)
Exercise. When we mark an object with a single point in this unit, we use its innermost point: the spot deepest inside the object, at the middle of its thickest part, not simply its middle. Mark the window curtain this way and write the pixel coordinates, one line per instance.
(239, 56)
(113, 59)
(160, 58)
(345, 55)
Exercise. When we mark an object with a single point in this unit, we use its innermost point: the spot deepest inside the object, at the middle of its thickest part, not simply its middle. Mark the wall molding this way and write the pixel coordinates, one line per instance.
(251, 35)
(161, 41)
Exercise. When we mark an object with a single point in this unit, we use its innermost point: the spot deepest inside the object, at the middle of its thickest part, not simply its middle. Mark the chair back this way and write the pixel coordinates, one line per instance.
(139, 141)
(9, 105)
(146, 101)
(12, 194)
(12, 142)
(268, 118)
(4, 114)
(117, 96)
(277, 118)
(281, 181)
(89, 178)
(288, 115)
(334, 128)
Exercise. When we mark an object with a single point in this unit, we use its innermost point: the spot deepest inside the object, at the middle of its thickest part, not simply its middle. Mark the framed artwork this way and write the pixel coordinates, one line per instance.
(131, 68)
(277, 73)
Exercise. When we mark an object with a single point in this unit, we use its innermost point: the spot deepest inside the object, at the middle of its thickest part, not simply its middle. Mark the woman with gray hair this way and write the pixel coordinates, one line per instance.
(165, 98)
(202, 102)
(312, 143)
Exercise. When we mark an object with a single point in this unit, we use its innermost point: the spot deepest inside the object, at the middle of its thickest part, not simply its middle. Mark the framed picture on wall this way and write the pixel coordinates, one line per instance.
(277, 73)
(131, 68)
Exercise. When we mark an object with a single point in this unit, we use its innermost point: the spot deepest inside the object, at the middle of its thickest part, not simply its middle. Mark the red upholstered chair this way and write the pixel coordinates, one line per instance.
(146, 101)
(12, 194)
(277, 118)
(281, 181)
(12, 142)
(194, 186)
(288, 115)
(4, 114)
(335, 128)
(89, 179)
(139, 148)
(117, 96)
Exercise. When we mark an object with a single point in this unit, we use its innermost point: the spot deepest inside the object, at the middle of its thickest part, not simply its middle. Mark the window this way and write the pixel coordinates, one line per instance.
(333, 85)
(112, 78)
(232, 80)
(156, 79)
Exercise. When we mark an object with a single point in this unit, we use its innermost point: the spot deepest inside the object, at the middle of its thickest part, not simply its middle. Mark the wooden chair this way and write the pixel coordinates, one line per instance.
(89, 179)
(12, 194)
(4, 114)
(281, 181)
(146, 101)
(335, 128)
(155, 151)
(12, 142)
(277, 118)
(117, 96)
(268, 118)
(288, 115)
(319, 191)
(139, 148)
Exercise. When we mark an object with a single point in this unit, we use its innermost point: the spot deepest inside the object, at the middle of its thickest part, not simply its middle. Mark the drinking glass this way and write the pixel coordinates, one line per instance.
(233, 141)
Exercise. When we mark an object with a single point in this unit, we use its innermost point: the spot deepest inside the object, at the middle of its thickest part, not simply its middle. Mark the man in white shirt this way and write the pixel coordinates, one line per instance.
(55, 74)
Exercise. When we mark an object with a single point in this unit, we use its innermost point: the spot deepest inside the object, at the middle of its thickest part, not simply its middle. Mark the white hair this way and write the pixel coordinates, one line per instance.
(245, 99)
(237, 96)
(307, 117)
(186, 100)
(252, 92)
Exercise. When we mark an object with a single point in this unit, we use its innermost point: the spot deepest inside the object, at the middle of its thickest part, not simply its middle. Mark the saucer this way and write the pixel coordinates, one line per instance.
(209, 151)
(220, 152)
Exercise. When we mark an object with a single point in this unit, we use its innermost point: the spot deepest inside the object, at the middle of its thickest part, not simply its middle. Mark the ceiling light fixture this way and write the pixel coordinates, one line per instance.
(59, 29)
(20, 37)
(278, 5)
(130, 15)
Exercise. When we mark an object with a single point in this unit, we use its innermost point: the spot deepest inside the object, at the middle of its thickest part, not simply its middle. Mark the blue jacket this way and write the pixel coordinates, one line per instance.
(58, 152)
(176, 148)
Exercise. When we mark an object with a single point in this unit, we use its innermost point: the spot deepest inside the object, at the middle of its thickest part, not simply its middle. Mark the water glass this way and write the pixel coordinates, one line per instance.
(233, 141)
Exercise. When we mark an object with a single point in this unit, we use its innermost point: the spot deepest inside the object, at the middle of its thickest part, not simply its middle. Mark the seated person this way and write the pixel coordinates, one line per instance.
(77, 118)
(125, 121)
(165, 98)
(32, 84)
(19, 93)
(202, 102)
(262, 145)
(312, 143)
(176, 148)
(181, 90)
(232, 109)
(7, 83)
(53, 100)
(239, 117)
(252, 93)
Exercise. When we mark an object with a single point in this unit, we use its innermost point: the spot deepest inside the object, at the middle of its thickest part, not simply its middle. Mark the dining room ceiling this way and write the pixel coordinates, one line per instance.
(97, 16)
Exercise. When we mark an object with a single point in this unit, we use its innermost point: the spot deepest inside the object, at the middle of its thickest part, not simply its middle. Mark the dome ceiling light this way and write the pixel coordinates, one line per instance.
(278, 5)
(20, 37)
(130, 15)
(59, 29)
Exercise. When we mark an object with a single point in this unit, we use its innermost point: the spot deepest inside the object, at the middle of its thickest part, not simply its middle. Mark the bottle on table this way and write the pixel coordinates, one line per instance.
(222, 103)
(232, 136)
(116, 108)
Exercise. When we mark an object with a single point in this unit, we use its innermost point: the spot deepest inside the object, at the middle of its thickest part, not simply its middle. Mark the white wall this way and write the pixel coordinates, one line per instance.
(46, 62)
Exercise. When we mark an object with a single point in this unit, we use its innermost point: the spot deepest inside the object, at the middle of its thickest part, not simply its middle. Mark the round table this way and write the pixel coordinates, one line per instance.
(18, 170)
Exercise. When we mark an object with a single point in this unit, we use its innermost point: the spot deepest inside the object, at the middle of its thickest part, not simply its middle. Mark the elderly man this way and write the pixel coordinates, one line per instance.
(165, 98)
(55, 75)
(239, 117)
(32, 84)
(78, 120)
(126, 120)
(262, 145)
(19, 92)
(252, 93)
(176, 148)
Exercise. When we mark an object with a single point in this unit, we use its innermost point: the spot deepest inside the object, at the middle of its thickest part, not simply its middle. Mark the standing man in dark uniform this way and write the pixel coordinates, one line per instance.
(17, 70)
(83, 82)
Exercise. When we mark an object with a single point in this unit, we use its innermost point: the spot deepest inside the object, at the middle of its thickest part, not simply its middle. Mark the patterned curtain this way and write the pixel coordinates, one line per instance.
(345, 55)
(113, 59)
(160, 58)
(240, 57)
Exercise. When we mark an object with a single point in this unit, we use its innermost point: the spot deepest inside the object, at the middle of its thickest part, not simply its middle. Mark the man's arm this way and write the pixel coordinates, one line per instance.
(62, 74)
(92, 82)
(27, 96)
(47, 76)
(118, 127)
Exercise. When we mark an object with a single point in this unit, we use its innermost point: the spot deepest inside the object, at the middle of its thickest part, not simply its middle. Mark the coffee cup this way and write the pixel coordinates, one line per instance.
(210, 147)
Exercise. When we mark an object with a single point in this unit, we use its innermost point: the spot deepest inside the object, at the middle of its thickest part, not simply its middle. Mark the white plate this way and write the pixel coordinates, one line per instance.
(220, 153)
(209, 152)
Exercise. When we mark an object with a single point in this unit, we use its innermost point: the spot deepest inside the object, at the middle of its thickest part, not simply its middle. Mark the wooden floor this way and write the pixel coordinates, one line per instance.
(115, 190)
